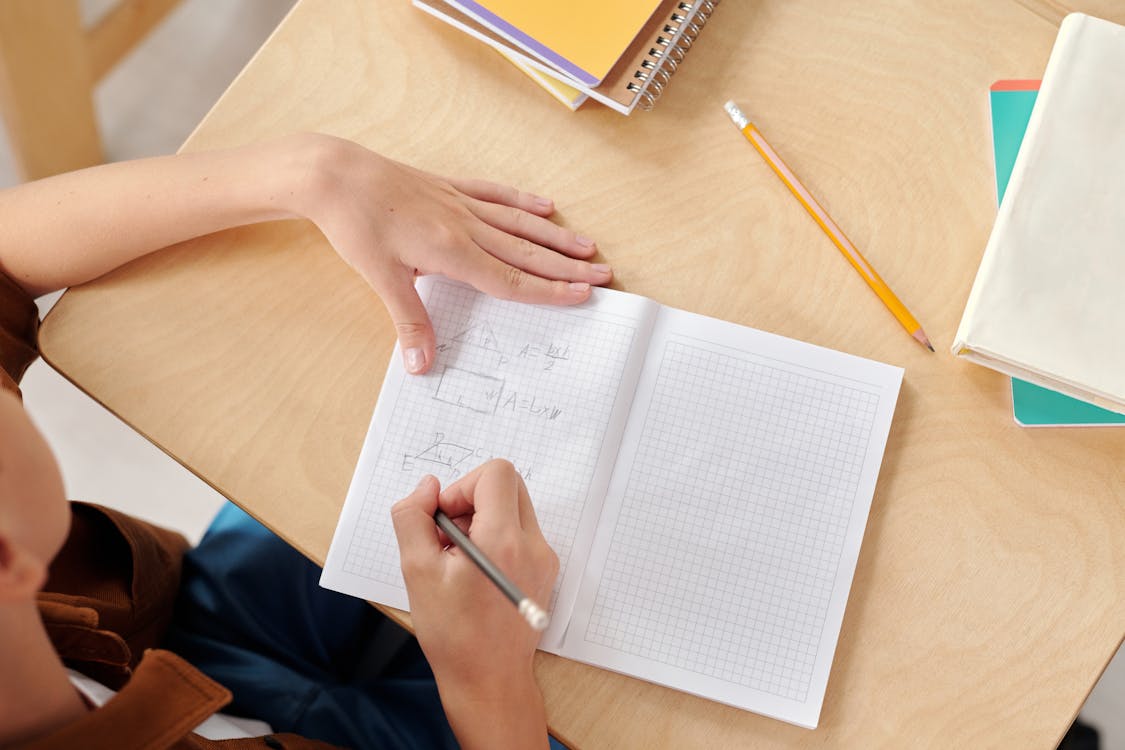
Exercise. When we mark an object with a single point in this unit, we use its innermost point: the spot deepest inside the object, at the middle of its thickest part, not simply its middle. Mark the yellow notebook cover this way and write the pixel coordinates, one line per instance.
(582, 38)
(568, 95)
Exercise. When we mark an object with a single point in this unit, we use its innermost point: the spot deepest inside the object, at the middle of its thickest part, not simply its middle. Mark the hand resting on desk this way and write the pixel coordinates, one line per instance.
(387, 220)
(479, 647)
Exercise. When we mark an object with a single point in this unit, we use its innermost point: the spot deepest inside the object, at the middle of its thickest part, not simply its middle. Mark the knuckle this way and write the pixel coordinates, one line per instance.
(560, 291)
(443, 235)
(514, 279)
(551, 561)
(410, 330)
(520, 219)
(507, 550)
(411, 567)
(527, 249)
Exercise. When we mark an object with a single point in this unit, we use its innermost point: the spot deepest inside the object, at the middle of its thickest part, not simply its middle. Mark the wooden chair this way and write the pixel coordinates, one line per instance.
(49, 66)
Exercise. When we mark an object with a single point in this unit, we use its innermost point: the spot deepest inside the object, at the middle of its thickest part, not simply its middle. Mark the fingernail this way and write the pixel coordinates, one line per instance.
(583, 240)
(415, 360)
(422, 482)
(580, 287)
(544, 202)
(600, 268)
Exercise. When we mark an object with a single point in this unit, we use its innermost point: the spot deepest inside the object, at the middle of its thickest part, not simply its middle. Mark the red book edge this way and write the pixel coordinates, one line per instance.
(1016, 85)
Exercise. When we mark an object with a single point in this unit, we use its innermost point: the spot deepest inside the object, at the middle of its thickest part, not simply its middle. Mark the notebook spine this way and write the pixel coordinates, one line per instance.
(668, 50)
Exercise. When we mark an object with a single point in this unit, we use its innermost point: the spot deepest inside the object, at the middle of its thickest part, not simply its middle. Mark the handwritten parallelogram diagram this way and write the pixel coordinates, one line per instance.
(440, 452)
(469, 390)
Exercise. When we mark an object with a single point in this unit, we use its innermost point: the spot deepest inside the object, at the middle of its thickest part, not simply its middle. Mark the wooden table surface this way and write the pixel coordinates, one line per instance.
(990, 593)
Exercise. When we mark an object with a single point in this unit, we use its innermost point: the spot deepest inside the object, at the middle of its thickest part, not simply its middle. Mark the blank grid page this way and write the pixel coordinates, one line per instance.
(727, 548)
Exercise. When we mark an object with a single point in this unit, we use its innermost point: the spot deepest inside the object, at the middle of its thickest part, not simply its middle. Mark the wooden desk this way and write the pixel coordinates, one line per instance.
(991, 589)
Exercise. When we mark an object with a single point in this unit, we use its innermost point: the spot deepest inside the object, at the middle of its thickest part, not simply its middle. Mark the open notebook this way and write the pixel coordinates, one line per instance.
(705, 485)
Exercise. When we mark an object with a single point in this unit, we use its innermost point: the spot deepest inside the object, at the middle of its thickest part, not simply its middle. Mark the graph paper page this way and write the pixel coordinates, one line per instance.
(547, 388)
(734, 517)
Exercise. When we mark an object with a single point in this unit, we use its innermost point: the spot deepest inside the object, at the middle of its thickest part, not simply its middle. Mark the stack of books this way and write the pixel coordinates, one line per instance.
(1045, 307)
(621, 54)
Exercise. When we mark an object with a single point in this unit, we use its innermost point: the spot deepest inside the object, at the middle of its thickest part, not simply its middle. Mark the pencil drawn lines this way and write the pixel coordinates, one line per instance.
(450, 459)
(469, 390)
(479, 334)
(441, 452)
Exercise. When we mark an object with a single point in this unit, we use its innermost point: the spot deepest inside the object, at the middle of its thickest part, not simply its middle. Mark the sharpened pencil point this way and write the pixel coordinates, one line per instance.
(921, 338)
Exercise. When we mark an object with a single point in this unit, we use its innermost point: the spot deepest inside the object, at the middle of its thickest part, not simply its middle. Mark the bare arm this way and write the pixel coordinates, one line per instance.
(387, 220)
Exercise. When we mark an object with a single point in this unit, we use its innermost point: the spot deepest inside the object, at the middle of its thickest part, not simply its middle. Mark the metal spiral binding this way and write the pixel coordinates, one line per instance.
(672, 44)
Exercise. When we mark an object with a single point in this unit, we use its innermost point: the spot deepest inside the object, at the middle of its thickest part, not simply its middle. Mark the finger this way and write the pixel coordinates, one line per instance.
(528, 519)
(489, 492)
(494, 192)
(413, 519)
(499, 279)
(535, 228)
(412, 322)
(537, 259)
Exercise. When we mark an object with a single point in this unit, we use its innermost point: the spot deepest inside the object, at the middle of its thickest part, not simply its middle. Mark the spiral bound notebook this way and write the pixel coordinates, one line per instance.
(582, 38)
(705, 485)
(643, 68)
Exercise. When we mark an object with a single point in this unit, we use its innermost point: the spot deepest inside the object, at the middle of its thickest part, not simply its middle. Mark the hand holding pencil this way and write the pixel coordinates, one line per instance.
(478, 644)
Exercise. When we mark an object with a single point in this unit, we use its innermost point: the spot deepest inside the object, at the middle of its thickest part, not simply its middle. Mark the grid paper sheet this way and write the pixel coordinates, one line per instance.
(729, 540)
(540, 386)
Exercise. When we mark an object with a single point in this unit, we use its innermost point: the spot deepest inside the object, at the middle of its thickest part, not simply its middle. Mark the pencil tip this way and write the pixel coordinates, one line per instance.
(921, 338)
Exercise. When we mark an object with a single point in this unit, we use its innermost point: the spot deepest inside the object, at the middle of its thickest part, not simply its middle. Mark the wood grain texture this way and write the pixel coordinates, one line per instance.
(990, 592)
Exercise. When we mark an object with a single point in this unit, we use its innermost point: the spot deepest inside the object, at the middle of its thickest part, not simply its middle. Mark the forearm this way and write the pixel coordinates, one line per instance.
(74, 227)
(511, 718)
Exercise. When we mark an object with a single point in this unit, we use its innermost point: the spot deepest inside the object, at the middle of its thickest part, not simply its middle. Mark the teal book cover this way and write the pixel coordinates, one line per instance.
(1033, 405)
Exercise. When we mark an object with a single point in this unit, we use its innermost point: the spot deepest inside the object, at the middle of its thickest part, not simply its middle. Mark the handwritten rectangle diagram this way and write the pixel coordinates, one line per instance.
(469, 390)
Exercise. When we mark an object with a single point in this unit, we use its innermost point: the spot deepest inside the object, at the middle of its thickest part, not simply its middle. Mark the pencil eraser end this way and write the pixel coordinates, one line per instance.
(736, 115)
(534, 614)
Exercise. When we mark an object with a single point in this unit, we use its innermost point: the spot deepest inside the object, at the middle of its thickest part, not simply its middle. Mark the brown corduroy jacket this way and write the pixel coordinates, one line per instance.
(106, 605)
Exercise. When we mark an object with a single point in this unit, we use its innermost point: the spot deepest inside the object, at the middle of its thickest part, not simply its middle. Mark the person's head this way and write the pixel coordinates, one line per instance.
(34, 516)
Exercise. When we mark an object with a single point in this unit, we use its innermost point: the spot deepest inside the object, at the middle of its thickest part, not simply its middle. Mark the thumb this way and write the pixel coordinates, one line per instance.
(413, 519)
(412, 324)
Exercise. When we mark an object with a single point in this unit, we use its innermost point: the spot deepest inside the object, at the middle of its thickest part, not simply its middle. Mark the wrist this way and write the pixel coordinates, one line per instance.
(488, 714)
(308, 166)
(519, 686)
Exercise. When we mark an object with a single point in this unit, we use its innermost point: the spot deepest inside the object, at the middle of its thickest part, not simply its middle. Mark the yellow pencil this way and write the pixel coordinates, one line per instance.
(893, 303)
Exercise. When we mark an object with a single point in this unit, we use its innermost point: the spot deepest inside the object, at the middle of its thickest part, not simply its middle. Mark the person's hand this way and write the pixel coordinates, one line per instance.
(479, 647)
(392, 222)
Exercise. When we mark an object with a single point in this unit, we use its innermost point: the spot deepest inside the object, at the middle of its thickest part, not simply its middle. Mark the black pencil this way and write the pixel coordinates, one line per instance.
(532, 612)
